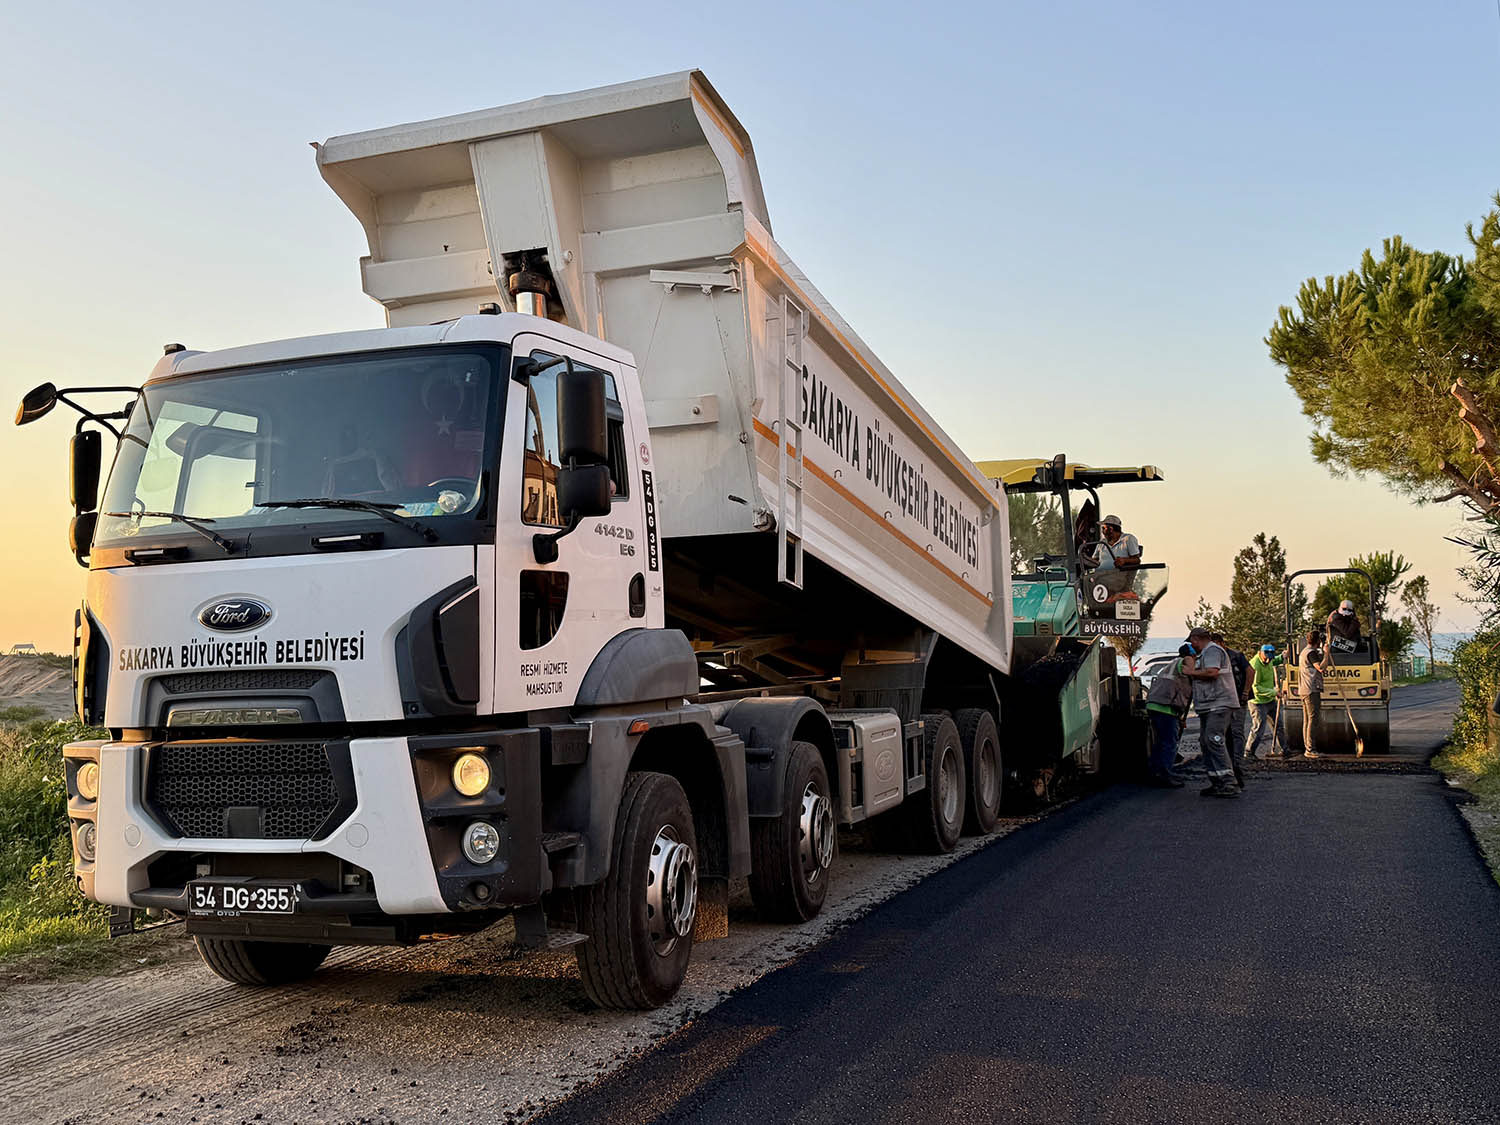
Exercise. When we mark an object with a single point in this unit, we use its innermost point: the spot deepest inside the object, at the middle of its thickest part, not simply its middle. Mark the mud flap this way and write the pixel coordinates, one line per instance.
(121, 921)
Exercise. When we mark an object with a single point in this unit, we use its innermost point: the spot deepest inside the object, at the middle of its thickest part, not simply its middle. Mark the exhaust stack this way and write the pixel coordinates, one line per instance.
(529, 290)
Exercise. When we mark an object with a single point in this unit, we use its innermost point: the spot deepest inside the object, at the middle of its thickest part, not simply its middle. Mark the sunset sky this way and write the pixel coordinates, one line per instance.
(1064, 227)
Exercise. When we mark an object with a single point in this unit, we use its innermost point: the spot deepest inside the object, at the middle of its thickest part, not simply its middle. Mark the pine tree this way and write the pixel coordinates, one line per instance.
(1385, 568)
(1378, 356)
(1257, 609)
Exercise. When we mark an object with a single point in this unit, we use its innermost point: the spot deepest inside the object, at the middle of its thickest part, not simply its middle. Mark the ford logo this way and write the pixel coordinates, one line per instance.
(234, 615)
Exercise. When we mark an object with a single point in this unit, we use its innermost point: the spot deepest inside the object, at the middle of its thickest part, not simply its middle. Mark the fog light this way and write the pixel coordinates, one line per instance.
(481, 842)
(88, 781)
(471, 775)
(87, 835)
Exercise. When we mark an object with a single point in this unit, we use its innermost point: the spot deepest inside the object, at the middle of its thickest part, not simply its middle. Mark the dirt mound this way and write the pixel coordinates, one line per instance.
(36, 681)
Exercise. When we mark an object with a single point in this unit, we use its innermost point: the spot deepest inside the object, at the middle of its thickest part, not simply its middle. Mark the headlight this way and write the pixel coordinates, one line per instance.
(87, 836)
(88, 781)
(471, 775)
(481, 842)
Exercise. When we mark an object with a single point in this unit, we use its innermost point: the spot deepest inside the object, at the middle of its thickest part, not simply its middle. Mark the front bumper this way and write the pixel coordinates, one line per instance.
(401, 829)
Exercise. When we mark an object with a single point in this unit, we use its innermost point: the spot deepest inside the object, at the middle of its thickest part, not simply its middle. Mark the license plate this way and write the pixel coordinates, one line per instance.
(230, 900)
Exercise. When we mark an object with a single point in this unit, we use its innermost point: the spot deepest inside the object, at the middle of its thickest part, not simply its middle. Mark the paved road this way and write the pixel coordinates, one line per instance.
(1323, 949)
(1422, 716)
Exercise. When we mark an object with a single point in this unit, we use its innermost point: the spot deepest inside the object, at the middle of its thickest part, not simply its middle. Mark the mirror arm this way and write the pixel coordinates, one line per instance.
(94, 416)
(527, 369)
(544, 547)
(102, 419)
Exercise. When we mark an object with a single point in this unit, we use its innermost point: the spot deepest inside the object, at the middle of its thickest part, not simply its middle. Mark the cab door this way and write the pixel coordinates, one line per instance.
(553, 617)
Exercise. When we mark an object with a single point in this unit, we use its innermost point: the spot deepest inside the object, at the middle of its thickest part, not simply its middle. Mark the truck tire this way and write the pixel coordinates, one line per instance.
(935, 816)
(260, 962)
(639, 919)
(982, 763)
(790, 855)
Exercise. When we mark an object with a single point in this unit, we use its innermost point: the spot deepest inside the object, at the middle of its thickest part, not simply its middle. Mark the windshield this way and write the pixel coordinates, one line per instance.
(407, 432)
(1038, 538)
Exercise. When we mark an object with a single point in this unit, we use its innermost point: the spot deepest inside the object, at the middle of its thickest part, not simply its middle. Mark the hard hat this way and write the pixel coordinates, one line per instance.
(1112, 521)
(1267, 648)
(1346, 607)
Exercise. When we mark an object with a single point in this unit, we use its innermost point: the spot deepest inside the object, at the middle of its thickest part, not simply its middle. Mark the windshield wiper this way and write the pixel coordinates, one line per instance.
(384, 511)
(194, 522)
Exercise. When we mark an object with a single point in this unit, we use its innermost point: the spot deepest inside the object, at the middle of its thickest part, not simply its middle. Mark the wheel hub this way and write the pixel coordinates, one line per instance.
(948, 795)
(987, 784)
(815, 833)
(671, 890)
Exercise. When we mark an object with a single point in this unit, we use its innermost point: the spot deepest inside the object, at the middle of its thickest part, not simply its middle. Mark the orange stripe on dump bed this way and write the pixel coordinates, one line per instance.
(718, 119)
(765, 431)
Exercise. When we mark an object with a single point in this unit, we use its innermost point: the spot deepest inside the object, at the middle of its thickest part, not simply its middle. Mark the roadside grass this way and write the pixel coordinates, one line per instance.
(1439, 672)
(47, 659)
(1472, 759)
(40, 908)
(47, 929)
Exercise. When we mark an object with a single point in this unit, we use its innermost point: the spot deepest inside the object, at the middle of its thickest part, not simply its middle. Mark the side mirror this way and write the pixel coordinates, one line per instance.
(582, 427)
(582, 491)
(35, 403)
(81, 535)
(83, 470)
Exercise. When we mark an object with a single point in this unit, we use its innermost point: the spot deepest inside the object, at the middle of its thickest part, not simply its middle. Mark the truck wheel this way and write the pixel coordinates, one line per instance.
(981, 742)
(936, 816)
(639, 920)
(260, 962)
(790, 855)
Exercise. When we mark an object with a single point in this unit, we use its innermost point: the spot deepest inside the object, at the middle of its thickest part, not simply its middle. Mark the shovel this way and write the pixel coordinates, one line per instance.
(1359, 739)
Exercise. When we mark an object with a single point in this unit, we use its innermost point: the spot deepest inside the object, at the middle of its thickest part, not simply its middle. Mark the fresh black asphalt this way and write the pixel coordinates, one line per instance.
(1326, 948)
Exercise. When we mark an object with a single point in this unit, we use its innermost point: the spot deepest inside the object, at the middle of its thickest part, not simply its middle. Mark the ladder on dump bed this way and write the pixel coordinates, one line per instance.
(790, 458)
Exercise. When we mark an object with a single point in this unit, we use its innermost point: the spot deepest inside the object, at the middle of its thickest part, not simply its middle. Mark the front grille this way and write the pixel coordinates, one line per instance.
(257, 790)
(250, 679)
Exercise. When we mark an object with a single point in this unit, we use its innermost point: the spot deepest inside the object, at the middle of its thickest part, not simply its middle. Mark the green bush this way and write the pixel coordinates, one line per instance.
(1476, 666)
(39, 903)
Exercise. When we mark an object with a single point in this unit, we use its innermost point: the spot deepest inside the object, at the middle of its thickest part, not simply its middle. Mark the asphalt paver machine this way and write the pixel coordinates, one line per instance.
(1071, 706)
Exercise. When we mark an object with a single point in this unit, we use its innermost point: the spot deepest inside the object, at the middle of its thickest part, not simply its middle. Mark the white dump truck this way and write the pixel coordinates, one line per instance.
(397, 632)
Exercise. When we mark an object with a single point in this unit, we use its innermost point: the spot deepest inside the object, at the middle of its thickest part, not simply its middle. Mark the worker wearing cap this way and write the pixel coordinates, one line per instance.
(1265, 712)
(1240, 667)
(1214, 697)
(1119, 554)
(1120, 550)
(1344, 622)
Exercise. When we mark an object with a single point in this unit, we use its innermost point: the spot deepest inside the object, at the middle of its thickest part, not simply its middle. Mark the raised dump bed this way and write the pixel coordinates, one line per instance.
(641, 208)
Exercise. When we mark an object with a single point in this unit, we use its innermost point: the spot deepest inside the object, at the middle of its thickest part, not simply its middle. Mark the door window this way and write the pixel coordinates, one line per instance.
(539, 459)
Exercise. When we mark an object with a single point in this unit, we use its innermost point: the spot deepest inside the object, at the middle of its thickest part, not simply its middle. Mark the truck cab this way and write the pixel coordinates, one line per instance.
(340, 601)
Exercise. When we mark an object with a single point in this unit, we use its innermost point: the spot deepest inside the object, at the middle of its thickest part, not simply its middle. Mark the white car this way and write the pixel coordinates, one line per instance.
(1153, 667)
